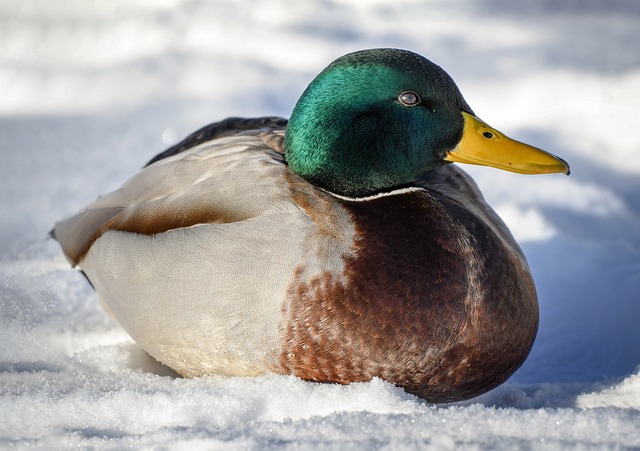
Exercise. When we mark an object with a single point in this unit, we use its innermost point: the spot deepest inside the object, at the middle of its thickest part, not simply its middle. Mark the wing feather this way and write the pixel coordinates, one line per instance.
(194, 186)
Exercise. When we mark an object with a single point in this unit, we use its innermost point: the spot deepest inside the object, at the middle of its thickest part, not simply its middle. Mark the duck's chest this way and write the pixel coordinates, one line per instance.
(433, 298)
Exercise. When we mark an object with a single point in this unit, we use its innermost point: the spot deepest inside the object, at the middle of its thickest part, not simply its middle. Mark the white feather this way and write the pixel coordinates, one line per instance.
(213, 298)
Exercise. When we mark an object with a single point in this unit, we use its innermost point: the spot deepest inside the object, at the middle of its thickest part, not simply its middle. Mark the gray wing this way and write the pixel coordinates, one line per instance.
(227, 127)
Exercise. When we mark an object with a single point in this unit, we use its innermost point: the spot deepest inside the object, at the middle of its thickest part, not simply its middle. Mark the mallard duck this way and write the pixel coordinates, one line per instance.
(338, 246)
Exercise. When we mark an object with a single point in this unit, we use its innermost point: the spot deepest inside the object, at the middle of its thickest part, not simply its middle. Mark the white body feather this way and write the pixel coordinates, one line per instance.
(210, 298)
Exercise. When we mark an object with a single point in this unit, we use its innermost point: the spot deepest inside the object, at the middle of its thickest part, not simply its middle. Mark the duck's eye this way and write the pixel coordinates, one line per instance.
(487, 135)
(409, 98)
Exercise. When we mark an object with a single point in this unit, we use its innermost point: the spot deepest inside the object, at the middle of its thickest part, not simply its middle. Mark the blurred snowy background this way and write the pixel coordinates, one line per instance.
(90, 91)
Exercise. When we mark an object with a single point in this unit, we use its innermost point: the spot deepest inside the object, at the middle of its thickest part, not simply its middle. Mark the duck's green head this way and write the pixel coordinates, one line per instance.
(377, 119)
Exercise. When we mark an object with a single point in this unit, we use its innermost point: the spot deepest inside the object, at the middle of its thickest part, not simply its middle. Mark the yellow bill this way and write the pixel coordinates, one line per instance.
(486, 146)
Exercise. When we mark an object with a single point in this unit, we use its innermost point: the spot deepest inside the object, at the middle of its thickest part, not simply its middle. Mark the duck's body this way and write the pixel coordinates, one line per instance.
(218, 258)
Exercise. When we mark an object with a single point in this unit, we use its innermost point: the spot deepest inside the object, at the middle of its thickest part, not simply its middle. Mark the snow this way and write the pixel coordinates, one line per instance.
(90, 91)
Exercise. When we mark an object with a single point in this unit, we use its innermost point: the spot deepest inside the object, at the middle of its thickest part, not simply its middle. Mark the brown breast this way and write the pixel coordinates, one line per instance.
(435, 301)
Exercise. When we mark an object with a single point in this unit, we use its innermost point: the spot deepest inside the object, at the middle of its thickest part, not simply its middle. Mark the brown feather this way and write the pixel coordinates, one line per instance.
(409, 313)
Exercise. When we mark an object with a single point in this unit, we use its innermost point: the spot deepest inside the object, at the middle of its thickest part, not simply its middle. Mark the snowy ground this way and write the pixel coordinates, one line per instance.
(89, 91)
